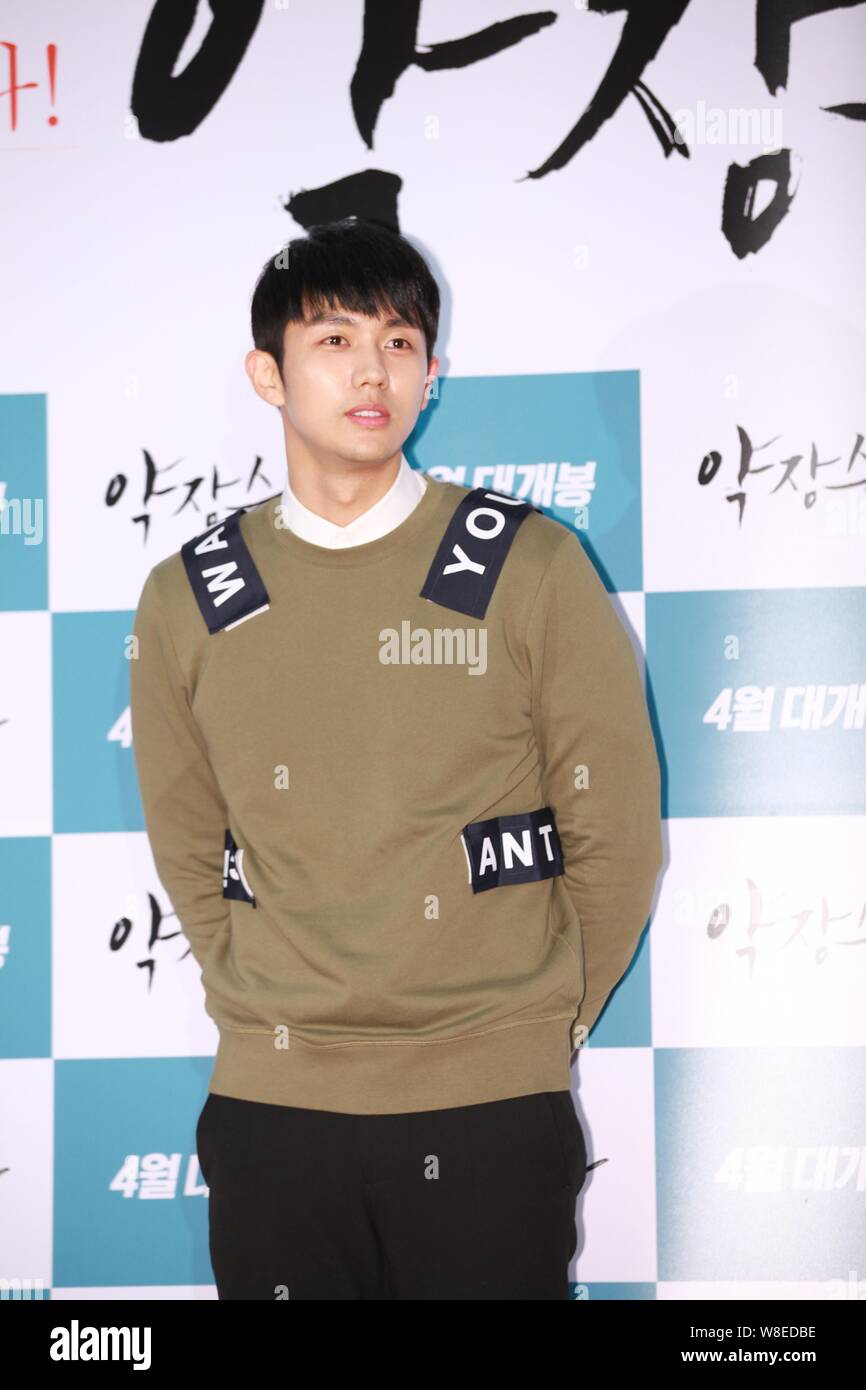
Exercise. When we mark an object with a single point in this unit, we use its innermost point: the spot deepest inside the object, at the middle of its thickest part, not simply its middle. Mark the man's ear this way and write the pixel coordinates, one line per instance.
(430, 383)
(262, 370)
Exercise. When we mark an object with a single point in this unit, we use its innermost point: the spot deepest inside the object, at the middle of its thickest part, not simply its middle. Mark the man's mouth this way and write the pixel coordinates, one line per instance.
(369, 417)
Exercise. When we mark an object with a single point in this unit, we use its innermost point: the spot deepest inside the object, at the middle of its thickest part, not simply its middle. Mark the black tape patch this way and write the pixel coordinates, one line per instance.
(224, 579)
(472, 551)
(234, 880)
(522, 848)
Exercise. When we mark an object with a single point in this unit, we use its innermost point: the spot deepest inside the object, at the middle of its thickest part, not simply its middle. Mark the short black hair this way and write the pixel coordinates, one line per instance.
(363, 265)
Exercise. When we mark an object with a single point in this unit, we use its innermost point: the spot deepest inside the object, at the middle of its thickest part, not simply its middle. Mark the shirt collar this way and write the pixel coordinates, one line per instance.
(402, 497)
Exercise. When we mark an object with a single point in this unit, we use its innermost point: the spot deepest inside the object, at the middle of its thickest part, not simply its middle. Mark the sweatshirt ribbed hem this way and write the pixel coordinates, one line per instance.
(395, 1077)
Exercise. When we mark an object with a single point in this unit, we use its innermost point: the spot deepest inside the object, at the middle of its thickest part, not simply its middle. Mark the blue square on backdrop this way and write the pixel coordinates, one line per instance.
(751, 1183)
(756, 697)
(95, 781)
(533, 430)
(25, 944)
(625, 1020)
(128, 1204)
(23, 503)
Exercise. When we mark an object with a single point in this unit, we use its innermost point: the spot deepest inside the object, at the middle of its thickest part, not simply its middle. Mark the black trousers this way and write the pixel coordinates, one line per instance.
(473, 1202)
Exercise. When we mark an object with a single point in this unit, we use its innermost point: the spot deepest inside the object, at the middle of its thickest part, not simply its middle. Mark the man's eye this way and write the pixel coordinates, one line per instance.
(334, 337)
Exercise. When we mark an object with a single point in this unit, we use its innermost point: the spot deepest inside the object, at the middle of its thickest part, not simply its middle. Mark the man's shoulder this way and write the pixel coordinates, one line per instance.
(545, 536)
(259, 514)
(175, 584)
(245, 521)
(492, 540)
(540, 535)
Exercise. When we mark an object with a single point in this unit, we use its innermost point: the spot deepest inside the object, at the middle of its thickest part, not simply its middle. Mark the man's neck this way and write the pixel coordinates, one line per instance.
(342, 492)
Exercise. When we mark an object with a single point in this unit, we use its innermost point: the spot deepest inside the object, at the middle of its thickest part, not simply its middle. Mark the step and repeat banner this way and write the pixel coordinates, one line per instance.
(647, 223)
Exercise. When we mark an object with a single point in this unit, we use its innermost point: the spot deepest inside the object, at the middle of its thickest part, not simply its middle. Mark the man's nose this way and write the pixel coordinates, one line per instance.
(371, 367)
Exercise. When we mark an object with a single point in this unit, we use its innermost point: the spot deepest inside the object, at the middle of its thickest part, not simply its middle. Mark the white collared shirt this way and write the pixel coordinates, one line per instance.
(402, 497)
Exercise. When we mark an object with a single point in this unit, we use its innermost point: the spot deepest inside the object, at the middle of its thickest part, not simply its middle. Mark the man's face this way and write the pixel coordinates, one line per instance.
(341, 361)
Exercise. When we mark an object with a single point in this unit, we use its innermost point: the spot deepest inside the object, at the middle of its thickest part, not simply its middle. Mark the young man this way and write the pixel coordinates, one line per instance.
(401, 787)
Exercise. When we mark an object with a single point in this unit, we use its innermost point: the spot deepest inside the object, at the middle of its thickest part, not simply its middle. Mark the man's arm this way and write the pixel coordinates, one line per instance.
(589, 710)
(184, 811)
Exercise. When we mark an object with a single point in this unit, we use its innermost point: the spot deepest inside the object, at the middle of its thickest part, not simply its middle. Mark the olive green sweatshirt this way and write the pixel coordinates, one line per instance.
(403, 797)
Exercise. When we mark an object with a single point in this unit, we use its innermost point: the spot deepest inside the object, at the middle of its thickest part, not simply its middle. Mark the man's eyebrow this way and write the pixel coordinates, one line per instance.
(324, 317)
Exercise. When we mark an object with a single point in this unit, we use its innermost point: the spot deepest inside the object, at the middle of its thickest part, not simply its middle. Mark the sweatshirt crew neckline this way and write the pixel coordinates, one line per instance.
(430, 509)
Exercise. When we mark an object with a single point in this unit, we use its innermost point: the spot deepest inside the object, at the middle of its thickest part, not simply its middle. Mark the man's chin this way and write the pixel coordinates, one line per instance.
(372, 449)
